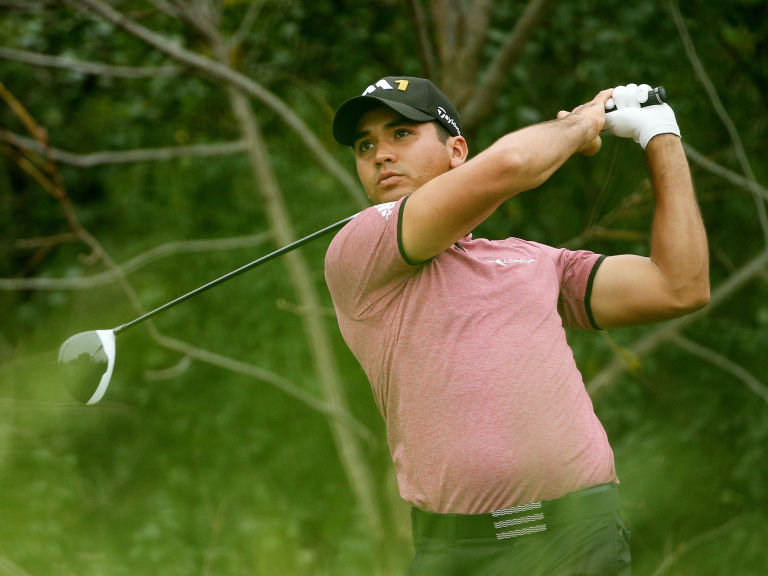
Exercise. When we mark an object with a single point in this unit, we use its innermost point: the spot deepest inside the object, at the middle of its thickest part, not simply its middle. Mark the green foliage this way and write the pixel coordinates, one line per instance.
(188, 468)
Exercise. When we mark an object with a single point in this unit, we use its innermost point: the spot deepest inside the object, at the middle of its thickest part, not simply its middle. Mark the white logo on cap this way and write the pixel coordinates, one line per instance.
(384, 85)
(442, 114)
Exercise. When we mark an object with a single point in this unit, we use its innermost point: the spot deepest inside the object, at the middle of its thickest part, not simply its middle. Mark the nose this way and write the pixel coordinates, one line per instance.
(384, 153)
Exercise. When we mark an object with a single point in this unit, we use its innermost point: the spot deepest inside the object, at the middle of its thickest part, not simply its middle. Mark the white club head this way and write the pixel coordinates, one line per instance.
(86, 357)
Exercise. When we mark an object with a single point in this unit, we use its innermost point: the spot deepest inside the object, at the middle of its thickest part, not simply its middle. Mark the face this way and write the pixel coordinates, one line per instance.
(395, 156)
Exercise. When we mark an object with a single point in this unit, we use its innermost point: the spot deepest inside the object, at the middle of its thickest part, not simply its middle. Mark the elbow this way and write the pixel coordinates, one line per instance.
(704, 298)
(692, 299)
(518, 170)
(698, 302)
(510, 161)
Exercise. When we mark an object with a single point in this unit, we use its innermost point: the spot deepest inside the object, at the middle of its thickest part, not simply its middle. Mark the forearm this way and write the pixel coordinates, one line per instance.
(533, 154)
(678, 243)
(452, 204)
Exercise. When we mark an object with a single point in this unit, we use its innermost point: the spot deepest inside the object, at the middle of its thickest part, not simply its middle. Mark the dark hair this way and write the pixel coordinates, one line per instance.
(442, 132)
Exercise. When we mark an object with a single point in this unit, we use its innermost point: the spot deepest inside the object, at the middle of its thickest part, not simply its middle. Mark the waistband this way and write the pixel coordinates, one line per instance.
(516, 521)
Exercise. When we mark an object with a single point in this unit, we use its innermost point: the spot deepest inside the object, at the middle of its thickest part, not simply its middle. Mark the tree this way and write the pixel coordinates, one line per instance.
(121, 101)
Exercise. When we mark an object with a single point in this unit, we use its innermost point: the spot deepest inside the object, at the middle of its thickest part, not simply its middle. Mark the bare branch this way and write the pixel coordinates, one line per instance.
(668, 330)
(737, 180)
(426, 48)
(22, 114)
(334, 409)
(603, 228)
(602, 233)
(445, 16)
(45, 241)
(722, 362)
(222, 72)
(493, 79)
(701, 73)
(27, 4)
(170, 373)
(477, 29)
(198, 14)
(48, 178)
(461, 29)
(134, 264)
(8, 568)
(246, 24)
(698, 540)
(166, 8)
(123, 156)
(282, 384)
(96, 69)
(351, 454)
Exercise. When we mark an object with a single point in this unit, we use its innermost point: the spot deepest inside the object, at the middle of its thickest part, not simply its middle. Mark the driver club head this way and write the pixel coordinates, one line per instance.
(88, 360)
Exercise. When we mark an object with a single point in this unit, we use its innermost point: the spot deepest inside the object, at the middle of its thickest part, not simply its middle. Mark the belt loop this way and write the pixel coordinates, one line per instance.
(452, 535)
(430, 525)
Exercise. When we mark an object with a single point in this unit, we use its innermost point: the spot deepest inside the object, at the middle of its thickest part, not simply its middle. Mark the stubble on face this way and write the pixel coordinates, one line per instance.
(396, 156)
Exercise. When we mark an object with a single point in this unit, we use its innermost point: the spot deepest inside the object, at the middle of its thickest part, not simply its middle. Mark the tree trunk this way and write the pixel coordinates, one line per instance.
(352, 458)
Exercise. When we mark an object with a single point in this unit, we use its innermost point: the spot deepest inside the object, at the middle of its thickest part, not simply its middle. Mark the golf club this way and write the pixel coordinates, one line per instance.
(89, 357)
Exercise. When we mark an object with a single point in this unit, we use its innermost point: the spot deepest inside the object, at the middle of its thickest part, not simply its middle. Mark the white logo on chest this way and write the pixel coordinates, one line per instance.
(509, 261)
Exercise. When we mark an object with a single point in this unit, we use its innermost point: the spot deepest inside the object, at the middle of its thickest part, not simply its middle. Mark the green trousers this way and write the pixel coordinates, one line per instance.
(581, 534)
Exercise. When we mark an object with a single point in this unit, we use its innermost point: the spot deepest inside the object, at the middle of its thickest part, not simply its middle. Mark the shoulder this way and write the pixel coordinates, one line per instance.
(367, 224)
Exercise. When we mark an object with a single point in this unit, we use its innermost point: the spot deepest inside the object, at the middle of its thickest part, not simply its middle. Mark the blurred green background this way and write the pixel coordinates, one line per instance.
(151, 146)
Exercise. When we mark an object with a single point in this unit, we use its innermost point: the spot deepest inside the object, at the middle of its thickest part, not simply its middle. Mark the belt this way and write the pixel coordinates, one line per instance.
(520, 520)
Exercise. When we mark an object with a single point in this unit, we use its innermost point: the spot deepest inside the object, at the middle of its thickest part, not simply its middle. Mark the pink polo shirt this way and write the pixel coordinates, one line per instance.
(469, 365)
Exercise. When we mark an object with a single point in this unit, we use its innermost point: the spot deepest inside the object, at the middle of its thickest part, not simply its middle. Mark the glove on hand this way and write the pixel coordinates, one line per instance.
(629, 120)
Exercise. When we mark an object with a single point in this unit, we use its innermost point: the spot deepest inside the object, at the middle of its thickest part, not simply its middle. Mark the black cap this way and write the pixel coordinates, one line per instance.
(416, 99)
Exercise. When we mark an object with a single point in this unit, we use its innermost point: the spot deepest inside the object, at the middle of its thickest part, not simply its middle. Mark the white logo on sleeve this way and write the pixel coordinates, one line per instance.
(386, 209)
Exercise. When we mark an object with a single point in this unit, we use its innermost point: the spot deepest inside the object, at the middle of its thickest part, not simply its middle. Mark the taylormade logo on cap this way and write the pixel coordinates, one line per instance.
(416, 99)
(443, 115)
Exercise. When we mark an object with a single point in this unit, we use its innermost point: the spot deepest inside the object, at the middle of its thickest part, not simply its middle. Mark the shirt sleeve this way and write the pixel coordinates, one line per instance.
(577, 269)
(364, 266)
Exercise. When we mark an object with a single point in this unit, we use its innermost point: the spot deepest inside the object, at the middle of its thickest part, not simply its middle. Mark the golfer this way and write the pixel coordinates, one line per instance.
(494, 439)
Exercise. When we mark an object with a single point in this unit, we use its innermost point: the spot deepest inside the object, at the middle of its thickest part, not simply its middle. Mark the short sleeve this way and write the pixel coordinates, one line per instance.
(364, 267)
(576, 270)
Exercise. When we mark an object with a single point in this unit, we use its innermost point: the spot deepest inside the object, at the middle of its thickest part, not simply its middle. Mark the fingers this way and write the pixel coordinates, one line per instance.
(593, 147)
(642, 93)
(604, 95)
(631, 95)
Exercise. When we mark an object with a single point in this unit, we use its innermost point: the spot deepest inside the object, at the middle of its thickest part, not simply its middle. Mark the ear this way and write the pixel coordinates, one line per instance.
(459, 150)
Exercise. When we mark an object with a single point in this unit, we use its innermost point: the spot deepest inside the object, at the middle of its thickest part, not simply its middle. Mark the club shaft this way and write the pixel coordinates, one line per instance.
(237, 272)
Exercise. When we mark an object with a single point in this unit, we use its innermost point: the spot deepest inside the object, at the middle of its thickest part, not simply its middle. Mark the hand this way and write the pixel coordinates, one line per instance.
(594, 110)
(629, 120)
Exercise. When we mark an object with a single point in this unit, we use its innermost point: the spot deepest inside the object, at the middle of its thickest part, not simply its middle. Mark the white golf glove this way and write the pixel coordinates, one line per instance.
(629, 120)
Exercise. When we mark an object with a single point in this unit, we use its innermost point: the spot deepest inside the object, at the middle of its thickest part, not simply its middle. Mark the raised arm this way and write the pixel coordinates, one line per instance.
(674, 281)
(446, 208)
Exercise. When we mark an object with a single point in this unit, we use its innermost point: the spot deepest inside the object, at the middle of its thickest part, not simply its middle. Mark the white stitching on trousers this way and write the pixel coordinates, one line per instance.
(516, 509)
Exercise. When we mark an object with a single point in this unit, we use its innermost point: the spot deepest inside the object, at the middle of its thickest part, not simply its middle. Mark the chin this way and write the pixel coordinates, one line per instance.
(390, 195)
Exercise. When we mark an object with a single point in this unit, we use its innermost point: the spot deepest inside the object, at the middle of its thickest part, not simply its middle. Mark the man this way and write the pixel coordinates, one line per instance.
(493, 437)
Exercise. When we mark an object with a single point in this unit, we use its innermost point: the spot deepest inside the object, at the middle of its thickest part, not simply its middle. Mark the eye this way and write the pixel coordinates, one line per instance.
(401, 132)
(364, 146)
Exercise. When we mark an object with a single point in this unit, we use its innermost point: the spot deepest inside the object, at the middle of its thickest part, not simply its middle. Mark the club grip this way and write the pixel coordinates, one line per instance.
(655, 96)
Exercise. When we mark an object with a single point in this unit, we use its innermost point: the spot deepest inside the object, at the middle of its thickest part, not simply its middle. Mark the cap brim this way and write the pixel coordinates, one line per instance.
(349, 114)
